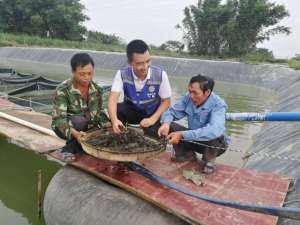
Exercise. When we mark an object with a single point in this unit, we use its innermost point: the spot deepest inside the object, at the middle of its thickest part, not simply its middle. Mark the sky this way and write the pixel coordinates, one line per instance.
(155, 21)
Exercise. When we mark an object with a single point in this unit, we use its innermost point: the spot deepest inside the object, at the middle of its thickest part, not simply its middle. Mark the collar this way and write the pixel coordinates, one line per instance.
(207, 104)
(92, 88)
(147, 77)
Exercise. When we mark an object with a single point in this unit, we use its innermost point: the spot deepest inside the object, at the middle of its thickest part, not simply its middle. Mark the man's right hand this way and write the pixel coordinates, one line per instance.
(78, 135)
(118, 126)
(164, 130)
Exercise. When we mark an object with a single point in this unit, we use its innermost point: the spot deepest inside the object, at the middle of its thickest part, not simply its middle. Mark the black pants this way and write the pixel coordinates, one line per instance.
(208, 153)
(80, 123)
(127, 113)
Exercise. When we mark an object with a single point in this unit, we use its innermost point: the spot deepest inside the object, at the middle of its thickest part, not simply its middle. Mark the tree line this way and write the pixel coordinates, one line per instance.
(61, 19)
(232, 28)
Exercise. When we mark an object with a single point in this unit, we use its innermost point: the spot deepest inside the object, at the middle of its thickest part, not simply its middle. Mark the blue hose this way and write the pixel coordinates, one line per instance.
(284, 212)
(267, 116)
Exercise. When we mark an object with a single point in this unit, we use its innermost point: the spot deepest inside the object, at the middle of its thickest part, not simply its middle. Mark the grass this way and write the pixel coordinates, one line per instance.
(35, 41)
(294, 63)
(22, 40)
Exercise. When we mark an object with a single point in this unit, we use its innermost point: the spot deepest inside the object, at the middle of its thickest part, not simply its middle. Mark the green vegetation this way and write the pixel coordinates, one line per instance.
(35, 41)
(263, 55)
(233, 28)
(50, 18)
(257, 56)
(171, 45)
(99, 37)
(294, 63)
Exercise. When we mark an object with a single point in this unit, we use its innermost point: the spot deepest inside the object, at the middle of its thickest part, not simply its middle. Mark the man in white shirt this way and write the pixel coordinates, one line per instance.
(146, 90)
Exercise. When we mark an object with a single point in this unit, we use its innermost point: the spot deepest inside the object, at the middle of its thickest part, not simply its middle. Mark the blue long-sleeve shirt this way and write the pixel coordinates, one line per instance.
(205, 123)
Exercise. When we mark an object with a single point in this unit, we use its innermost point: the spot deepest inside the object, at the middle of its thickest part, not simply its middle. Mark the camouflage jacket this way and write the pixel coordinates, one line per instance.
(68, 102)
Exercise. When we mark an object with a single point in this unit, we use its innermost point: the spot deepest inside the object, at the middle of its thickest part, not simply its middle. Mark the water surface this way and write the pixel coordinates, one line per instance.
(18, 183)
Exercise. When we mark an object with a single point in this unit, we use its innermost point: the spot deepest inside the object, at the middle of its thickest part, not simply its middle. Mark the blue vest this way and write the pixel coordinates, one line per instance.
(147, 100)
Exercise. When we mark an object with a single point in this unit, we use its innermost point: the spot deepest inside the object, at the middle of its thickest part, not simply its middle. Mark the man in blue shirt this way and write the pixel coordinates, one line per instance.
(205, 112)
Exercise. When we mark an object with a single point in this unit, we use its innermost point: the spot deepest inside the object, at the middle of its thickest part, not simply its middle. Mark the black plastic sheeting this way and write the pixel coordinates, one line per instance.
(11, 75)
(32, 79)
(283, 139)
(77, 198)
(38, 86)
(18, 83)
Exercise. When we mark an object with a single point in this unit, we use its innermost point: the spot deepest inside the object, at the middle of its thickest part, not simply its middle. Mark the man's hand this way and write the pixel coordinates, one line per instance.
(118, 126)
(78, 135)
(164, 130)
(147, 122)
(174, 137)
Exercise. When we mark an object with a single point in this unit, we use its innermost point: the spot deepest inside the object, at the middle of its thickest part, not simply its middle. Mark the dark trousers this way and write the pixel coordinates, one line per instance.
(185, 148)
(80, 123)
(127, 113)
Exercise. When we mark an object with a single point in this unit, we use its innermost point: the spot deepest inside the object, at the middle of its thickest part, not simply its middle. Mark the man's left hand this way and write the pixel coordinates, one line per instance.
(174, 137)
(147, 122)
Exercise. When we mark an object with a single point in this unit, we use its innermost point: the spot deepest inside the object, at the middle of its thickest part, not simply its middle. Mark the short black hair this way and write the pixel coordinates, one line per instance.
(81, 59)
(136, 46)
(205, 83)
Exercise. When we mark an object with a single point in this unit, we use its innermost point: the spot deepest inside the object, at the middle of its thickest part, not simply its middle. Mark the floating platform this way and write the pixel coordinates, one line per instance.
(228, 183)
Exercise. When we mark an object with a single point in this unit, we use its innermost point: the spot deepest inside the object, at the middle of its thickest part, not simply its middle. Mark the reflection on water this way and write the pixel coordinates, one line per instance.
(18, 183)
(18, 167)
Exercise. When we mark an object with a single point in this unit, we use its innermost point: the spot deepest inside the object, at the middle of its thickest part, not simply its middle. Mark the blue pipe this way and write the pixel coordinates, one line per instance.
(284, 212)
(267, 116)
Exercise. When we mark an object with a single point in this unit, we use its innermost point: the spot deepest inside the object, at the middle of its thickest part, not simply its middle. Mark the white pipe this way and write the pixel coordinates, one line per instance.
(28, 124)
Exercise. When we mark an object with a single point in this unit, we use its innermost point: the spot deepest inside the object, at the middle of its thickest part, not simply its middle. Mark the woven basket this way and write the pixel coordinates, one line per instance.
(132, 154)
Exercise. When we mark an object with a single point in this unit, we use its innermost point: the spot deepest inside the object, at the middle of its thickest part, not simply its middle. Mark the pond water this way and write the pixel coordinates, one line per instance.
(18, 183)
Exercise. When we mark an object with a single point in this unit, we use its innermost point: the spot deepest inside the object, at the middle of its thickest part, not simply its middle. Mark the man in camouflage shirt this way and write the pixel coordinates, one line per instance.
(77, 105)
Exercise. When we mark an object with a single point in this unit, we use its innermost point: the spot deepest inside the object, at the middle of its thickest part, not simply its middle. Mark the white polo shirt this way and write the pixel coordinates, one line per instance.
(164, 89)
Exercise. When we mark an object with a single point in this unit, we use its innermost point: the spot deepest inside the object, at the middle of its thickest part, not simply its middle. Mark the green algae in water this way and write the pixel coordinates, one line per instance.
(18, 183)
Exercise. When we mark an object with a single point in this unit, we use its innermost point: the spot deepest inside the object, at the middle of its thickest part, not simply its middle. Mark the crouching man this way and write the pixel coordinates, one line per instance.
(146, 91)
(77, 106)
(205, 112)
